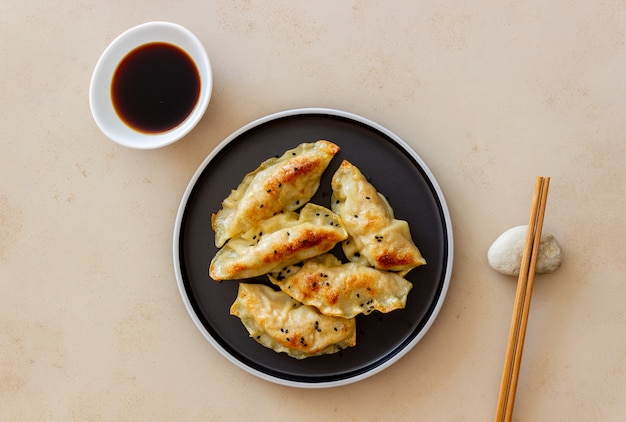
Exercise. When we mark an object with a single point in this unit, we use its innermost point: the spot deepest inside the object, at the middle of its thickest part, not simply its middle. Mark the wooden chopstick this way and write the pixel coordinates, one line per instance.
(521, 308)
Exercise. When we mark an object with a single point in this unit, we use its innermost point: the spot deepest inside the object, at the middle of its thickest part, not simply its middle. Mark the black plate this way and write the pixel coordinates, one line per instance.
(392, 167)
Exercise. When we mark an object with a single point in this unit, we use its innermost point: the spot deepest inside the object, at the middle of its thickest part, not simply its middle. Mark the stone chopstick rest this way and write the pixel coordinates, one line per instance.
(505, 253)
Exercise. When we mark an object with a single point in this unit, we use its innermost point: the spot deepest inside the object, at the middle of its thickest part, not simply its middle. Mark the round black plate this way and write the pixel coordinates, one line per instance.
(392, 167)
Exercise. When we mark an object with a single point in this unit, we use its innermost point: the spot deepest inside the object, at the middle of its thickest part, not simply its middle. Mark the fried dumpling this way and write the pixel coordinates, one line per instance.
(279, 184)
(281, 240)
(376, 238)
(279, 322)
(343, 290)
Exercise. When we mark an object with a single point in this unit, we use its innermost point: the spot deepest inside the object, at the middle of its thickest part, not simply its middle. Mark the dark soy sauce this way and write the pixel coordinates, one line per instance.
(155, 87)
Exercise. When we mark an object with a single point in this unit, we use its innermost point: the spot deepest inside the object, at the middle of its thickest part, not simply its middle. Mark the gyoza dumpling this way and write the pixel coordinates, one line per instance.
(281, 240)
(343, 290)
(376, 238)
(283, 324)
(278, 184)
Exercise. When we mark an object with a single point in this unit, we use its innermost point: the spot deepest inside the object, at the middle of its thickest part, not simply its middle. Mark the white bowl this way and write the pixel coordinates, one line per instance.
(100, 99)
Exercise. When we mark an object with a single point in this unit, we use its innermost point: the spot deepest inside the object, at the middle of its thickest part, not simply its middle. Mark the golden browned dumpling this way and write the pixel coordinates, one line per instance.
(279, 184)
(281, 240)
(376, 238)
(279, 322)
(343, 290)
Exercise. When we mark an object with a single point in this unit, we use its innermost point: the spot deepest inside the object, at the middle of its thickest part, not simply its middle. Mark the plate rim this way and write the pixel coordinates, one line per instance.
(289, 113)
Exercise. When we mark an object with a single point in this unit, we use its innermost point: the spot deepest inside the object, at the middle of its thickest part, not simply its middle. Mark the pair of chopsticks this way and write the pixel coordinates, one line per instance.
(510, 375)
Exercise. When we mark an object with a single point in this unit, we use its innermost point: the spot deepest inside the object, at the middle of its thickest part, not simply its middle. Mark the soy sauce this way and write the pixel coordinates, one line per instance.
(155, 87)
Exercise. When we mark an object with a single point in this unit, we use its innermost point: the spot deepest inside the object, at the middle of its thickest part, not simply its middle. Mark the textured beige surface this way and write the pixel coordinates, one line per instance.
(490, 93)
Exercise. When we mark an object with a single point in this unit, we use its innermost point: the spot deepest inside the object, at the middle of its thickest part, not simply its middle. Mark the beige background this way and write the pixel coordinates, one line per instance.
(490, 93)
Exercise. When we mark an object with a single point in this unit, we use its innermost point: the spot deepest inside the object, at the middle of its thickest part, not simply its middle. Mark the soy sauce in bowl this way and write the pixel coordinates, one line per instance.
(155, 87)
(151, 85)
